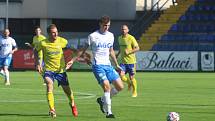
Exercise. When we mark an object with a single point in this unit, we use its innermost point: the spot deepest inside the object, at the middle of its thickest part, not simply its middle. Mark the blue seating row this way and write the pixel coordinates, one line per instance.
(186, 38)
(197, 17)
(203, 1)
(201, 28)
(183, 47)
(204, 8)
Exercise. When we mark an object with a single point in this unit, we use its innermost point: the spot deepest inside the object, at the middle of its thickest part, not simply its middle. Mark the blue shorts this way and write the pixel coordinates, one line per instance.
(5, 61)
(105, 72)
(128, 68)
(60, 77)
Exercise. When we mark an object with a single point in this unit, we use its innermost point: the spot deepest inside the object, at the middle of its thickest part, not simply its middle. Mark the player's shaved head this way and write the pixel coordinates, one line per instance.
(124, 29)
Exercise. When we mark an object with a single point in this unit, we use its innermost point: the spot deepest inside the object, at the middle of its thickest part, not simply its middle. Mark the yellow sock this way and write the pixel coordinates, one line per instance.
(134, 85)
(50, 98)
(124, 78)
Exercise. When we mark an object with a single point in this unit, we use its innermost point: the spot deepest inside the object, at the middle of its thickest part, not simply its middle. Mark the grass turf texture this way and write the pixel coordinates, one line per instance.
(190, 94)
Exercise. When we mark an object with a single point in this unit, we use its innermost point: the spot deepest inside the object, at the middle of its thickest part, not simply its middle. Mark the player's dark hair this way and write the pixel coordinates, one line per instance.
(104, 19)
(51, 26)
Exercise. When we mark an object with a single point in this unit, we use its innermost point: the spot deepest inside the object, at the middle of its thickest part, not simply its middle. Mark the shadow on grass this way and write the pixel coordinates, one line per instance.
(30, 115)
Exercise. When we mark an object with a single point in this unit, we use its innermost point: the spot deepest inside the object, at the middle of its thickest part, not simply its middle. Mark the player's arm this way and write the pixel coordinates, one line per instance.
(113, 56)
(117, 55)
(14, 47)
(135, 47)
(79, 53)
(29, 45)
(38, 58)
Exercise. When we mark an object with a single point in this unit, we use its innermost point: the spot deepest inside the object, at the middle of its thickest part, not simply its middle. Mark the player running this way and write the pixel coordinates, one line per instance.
(36, 40)
(128, 46)
(101, 43)
(7, 48)
(54, 67)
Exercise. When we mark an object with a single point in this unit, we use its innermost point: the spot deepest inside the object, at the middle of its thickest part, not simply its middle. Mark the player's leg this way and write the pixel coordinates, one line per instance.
(48, 77)
(115, 79)
(132, 72)
(104, 101)
(2, 72)
(7, 75)
(70, 96)
(63, 81)
(107, 98)
(123, 75)
(6, 71)
(1, 67)
(118, 86)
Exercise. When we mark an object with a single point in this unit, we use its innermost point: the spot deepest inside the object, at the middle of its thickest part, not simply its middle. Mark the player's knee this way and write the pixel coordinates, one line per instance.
(120, 87)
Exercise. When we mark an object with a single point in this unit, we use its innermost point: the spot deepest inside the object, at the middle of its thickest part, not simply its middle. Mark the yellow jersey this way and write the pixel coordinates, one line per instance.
(128, 42)
(53, 57)
(36, 41)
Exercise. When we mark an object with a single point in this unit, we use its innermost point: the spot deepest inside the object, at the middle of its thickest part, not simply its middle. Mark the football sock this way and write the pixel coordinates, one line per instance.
(113, 92)
(50, 98)
(2, 72)
(71, 99)
(134, 85)
(125, 79)
(7, 76)
(107, 102)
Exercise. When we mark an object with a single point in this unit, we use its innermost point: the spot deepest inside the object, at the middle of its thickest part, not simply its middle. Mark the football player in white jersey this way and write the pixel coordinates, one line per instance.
(101, 44)
(7, 48)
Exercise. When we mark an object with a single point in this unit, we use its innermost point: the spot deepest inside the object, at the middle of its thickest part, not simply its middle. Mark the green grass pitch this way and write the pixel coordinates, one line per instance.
(192, 95)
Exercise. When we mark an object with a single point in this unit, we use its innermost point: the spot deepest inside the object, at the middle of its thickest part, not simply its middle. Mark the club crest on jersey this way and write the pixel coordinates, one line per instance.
(104, 45)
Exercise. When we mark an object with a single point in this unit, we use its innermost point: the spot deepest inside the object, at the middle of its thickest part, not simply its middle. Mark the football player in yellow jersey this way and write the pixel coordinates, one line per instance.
(128, 46)
(36, 39)
(54, 67)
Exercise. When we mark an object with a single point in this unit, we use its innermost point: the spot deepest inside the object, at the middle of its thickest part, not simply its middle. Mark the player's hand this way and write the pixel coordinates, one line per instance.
(11, 52)
(69, 64)
(28, 44)
(119, 68)
(39, 69)
(127, 52)
(88, 61)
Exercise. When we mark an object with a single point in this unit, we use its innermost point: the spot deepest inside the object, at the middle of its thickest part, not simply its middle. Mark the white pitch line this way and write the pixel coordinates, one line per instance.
(88, 95)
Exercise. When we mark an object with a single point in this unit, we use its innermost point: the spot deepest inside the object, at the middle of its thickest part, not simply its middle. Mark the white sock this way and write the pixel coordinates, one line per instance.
(113, 92)
(7, 76)
(107, 102)
(2, 72)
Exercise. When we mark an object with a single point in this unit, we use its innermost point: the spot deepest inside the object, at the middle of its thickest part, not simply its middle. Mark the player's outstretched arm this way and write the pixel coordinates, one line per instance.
(80, 52)
(29, 45)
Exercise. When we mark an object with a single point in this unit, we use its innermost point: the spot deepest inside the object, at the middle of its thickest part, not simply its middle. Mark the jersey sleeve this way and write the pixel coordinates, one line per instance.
(63, 42)
(14, 43)
(134, 42)
(89, 40)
